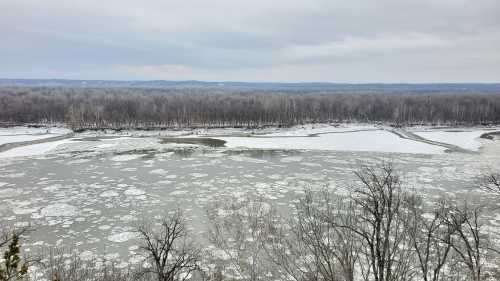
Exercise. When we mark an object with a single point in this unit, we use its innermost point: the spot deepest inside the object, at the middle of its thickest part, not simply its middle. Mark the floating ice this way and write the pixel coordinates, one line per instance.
(9, 192)
(198, 175)
(122, 237)
(24, 211)
(134, 191)
(109, 193)
(128, 218)
(135, 259)
(247, 159)
(86, 255)
(59, 209)
(126, 157)
(158, 171)
(178, 192)
(291, 159)
(104, 227)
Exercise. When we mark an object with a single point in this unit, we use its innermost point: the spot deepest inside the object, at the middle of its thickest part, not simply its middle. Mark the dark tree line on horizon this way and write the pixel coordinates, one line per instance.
(153, 108)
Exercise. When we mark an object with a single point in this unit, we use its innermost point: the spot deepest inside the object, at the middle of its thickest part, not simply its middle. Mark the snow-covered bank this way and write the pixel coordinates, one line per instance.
(29, 141)
(318, 129)
(23, 134)
(466, 138)
(298, 130)
(9, 131)
(371, 140)
(33, 150)
(367, 137)
(331, 137)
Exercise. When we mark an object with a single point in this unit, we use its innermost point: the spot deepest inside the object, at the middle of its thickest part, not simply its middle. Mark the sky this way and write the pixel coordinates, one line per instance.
(349, 41)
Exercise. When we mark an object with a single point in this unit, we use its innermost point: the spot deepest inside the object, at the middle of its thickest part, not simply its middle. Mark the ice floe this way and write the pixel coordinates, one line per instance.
(58, 210)
(134, 191)
(109, 193)
(127, 157)
(122, 236)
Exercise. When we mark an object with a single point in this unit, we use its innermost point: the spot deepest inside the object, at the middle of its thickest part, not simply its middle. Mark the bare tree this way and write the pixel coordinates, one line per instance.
(63, 265)
(171, 254)
(115, 108)
(491, 183)
(238, 230)
(313, 246)
(472, 244)
(432, 239)
(382, 215)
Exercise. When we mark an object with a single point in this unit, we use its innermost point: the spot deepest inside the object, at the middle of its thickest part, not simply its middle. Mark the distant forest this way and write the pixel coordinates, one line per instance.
(118, 108)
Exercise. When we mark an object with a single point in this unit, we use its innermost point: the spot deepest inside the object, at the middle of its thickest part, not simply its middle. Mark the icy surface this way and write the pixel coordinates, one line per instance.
(20, 138)
(309, 129)
(371, 140)
(21, 134)
(60, 209)
(33, 131)
(32, 150)
(122, 237)
(343, 137)
(91, 194)
(468, 139)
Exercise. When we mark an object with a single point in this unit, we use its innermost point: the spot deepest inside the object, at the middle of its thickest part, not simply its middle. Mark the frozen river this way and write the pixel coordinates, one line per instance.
(90, 193)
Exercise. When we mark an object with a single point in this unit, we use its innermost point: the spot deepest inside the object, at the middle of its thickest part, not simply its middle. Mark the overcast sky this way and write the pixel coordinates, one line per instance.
(252, 40)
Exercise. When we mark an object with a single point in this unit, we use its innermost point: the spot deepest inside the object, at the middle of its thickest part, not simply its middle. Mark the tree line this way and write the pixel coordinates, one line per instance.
(381, 231)
(86, 108)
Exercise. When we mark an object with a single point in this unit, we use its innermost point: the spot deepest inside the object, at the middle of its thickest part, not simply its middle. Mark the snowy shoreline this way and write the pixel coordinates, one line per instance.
(331, 137)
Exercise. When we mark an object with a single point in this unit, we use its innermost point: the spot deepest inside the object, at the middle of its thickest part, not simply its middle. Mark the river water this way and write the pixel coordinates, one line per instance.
(92, 202)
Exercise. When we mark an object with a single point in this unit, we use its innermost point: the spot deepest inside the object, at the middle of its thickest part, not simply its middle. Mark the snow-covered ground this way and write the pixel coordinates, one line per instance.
(338, 137)
(373, 140)
(312, 129)
(21, 134)
(33, 131)
(299, 130)
(464, 138)
(32, 150)
(20, 138)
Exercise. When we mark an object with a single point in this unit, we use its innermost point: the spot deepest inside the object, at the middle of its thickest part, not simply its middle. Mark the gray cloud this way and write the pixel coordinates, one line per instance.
(259, 40)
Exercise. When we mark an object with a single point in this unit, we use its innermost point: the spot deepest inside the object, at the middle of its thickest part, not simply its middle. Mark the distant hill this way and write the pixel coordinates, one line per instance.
(264, 86)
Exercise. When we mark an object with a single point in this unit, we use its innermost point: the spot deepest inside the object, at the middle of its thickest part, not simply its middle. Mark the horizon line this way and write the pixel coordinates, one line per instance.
(257, 82)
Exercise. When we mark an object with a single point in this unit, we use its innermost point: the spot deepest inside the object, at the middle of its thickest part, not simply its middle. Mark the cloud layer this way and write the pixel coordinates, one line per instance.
(259, 40)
